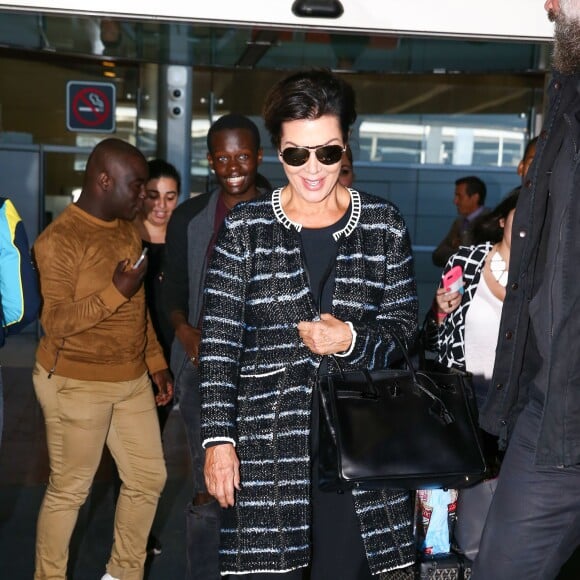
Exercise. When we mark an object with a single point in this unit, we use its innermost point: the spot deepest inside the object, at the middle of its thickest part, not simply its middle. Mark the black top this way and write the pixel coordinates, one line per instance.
(319, 249)
(153, 287)
(319, 253)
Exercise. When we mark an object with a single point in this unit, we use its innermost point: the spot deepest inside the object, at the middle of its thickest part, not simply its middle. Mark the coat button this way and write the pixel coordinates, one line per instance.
(509, 334)
(522, 233)
(515, 286)
(528, 183)
(543, 134)
(557, 85)
(499, 386)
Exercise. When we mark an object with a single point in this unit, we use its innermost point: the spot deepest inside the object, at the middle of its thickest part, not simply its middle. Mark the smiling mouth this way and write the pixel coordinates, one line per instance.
(235, 180)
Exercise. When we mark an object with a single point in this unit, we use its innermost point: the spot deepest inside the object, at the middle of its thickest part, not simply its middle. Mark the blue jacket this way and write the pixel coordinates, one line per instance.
(544, 292)
(19, 293)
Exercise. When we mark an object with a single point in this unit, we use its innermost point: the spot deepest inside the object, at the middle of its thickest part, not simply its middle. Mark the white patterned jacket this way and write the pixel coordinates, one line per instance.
(450, 346)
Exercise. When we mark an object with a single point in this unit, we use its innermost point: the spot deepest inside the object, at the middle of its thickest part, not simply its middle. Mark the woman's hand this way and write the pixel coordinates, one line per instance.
(222, 473)
(447, 302)
(325, 336)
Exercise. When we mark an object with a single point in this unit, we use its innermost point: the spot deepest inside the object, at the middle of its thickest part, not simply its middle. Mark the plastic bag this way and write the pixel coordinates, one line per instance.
(436, 513)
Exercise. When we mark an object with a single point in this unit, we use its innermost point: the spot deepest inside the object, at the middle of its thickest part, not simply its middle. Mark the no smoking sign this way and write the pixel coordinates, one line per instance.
(90, 107)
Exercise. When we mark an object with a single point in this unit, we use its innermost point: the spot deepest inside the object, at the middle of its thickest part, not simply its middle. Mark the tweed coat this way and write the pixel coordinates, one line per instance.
(258, 377)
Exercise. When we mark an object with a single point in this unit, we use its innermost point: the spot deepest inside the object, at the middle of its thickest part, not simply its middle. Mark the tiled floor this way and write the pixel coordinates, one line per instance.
(24, 471)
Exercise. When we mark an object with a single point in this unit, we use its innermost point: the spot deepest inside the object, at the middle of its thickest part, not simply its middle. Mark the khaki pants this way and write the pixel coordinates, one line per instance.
(81, 417)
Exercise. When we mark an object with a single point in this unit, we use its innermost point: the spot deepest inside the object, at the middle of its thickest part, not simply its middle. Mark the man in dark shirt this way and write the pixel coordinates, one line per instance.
(533, 525)
(469, 197)
(234, 154)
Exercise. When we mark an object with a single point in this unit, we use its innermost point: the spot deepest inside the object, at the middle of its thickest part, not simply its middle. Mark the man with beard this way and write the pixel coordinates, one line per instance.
(234, 154)
(533, 525)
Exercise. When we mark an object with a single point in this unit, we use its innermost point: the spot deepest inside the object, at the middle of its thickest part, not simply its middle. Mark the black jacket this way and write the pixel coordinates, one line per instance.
(543, 294)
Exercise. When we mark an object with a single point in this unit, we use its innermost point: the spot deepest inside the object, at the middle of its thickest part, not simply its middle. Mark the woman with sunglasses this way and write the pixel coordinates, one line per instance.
(310, 270)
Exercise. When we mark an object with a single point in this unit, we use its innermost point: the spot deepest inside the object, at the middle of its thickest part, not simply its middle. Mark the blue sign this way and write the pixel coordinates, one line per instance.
(90, 107)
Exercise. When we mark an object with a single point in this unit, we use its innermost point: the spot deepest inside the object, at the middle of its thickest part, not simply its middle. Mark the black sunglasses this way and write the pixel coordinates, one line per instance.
(326, 154)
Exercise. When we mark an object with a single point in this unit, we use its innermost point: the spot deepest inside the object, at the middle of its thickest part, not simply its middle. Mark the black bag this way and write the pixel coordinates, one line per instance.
(398, 429)
(444, 567)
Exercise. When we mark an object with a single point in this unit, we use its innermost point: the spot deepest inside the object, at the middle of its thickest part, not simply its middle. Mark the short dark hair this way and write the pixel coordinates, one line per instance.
(348, 152)
(309, 94)
(486, 228)
(233, 122)
(531, 144)
(161, 168)
(473, 185)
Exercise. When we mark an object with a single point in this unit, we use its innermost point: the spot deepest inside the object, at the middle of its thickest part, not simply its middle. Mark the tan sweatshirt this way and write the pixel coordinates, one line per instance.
(91, 330)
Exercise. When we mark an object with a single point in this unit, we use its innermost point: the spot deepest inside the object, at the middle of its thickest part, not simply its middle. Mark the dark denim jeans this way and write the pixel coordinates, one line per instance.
(533, 524)
(187, 387)
(203, 541)
(202, 521)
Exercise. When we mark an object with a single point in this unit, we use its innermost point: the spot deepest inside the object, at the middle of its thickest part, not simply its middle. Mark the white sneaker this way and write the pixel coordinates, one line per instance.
(107, 576)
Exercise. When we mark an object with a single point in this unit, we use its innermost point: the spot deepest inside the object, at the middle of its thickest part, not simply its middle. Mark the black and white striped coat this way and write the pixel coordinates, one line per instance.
(258, 377)
(451, 334)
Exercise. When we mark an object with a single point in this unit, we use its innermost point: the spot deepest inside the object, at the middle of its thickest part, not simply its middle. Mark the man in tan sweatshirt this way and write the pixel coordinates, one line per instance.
(94, 363)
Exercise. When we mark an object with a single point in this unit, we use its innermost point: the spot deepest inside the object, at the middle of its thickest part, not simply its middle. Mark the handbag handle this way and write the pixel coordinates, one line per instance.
(406, 356)
(326, 412)
(438, 409)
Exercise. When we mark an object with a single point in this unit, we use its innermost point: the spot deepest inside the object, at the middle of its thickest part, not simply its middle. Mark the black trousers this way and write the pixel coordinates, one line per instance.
(337, 545)
(533, 525)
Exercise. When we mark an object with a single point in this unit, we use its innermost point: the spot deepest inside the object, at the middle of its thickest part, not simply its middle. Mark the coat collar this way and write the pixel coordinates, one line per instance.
(355, 210)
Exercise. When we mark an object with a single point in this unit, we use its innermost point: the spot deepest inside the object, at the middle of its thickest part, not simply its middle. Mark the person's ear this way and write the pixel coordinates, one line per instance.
(210, 161)
(104, 181)
(260, 155)
(520, 169)
(502, 222)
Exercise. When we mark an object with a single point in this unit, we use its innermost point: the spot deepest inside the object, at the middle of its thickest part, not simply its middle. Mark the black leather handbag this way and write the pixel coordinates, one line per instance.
(398, 429)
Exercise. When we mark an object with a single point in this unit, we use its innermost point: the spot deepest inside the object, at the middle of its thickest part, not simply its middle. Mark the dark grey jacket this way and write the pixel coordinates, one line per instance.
(544, 291)
(189, 233)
